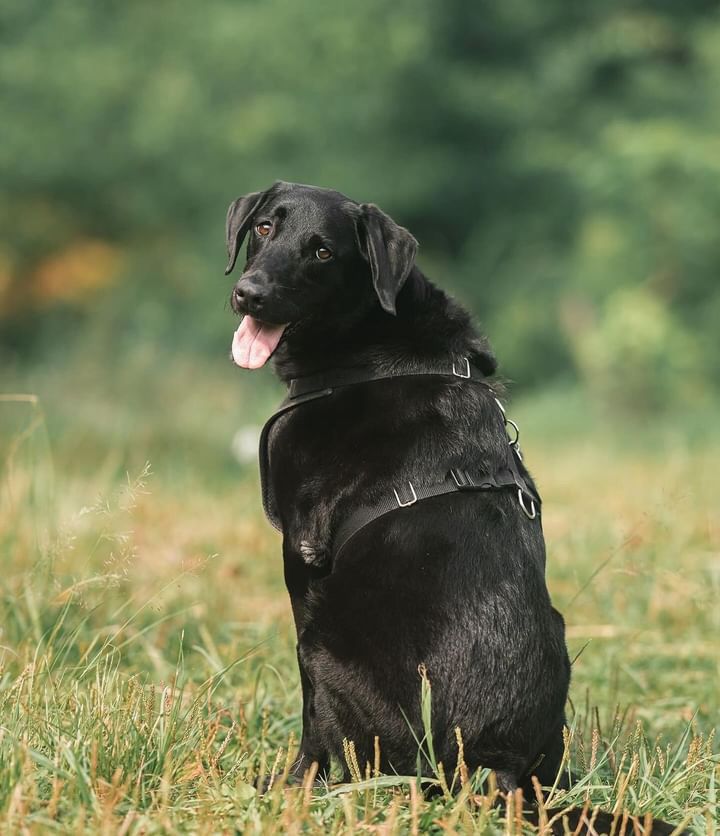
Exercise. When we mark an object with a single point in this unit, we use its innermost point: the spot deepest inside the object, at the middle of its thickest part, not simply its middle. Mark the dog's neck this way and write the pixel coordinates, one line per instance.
(429, 328)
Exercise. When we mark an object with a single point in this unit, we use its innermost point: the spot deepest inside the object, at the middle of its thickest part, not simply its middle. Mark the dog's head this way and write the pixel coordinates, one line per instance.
(312, 254)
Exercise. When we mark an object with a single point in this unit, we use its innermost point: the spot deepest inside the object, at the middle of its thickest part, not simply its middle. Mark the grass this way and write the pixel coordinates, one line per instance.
(147, 671)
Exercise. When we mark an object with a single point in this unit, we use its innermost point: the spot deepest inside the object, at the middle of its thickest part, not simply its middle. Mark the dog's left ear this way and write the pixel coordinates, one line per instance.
(239, 216)
(389, 248)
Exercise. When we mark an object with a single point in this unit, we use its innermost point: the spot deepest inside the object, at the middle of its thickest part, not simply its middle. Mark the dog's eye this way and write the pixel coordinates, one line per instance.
(264, 228)
(323, 253)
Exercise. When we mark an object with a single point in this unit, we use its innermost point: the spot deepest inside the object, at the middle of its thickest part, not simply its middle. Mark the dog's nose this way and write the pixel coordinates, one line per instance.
(249, 296)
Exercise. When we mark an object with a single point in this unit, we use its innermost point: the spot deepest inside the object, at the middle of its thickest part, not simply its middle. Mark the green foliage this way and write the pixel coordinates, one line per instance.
(637, 355)
(546, 156)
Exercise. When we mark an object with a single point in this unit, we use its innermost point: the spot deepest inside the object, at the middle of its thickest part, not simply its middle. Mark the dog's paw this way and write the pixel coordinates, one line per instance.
(313, 555)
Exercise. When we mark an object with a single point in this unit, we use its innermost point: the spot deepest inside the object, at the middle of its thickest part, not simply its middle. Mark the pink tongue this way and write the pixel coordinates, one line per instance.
(254, 342)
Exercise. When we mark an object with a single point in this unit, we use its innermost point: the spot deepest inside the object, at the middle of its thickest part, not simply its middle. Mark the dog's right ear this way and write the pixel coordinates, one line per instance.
(239, 216)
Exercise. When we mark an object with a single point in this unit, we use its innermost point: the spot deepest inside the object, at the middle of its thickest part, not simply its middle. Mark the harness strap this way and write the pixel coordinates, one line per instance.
(313, 387)
(455, 480)
(268, 498)
(301, 390)
(335, 378)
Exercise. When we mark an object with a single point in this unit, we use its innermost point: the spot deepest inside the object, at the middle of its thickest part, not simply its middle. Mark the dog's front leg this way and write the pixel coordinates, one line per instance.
(299, 577)
(312, 749)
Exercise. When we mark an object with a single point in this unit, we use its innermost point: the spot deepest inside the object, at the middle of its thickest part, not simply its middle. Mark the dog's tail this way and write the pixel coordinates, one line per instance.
(592, 821)
(527, 799)
(586, 821)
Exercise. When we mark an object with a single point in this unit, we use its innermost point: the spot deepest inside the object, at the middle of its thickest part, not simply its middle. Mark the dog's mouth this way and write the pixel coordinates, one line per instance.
(255, 341)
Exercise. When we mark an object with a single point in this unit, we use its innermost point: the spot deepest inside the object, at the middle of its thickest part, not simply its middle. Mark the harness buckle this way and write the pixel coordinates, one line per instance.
(462, 478)
(413, 497)
(464, 374)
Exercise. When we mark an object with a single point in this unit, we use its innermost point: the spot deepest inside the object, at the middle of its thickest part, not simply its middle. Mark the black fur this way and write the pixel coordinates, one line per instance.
(455, 583)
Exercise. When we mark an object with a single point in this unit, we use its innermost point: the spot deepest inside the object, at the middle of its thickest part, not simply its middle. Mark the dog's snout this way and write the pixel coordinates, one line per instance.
(249, 296)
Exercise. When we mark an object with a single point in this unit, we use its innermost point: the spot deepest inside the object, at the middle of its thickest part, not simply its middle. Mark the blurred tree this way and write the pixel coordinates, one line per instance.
(557, 152)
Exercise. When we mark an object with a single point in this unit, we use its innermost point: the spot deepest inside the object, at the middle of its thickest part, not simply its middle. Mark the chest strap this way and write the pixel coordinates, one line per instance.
(302, 390)
(314, 387)
(456, 480)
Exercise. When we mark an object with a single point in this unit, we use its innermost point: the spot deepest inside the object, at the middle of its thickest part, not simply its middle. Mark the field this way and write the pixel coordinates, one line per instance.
(147, 672)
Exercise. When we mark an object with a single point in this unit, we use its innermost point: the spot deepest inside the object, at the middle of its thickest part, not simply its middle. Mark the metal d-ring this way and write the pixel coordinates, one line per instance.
(464, 375)
(511, 423)
(411, 502)
(522, 505)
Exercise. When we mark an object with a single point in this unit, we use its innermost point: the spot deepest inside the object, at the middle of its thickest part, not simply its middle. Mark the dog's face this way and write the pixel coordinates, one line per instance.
(311, 253)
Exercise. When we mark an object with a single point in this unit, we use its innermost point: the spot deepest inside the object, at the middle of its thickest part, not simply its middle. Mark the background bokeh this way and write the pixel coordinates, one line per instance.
(559, 163)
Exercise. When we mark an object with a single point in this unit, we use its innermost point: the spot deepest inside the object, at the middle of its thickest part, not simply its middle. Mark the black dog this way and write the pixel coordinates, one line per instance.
(412, 534)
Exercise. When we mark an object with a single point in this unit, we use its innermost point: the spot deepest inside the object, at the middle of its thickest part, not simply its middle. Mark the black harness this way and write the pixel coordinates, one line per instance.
(302, 390)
